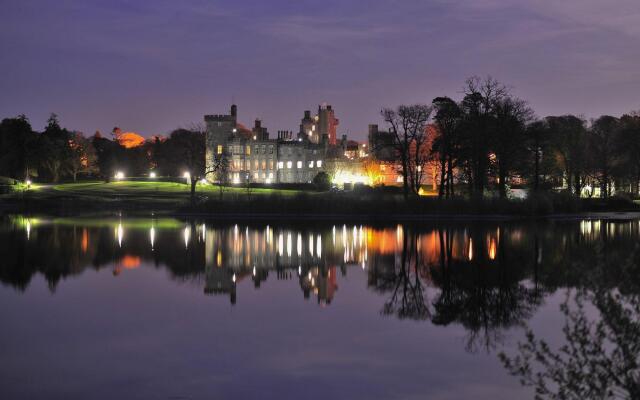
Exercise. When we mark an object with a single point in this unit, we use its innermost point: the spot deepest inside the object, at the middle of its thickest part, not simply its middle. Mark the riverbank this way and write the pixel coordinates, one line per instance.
(173, 199)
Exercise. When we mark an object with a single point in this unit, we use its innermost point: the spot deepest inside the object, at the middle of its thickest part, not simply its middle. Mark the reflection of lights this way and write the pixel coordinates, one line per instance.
(299, 245)
(219, 258)
(204, 232)
(492, 249)
(120, 232)
(319, 246)
(399, 233)
(299, 270)
(28, 183)
(280, 244)
(309, 276)
(152, 236)
(254, 270)
(289, 244)
(28, 229)
(233, 278)
(186, 234)
(333, 233)
(470, 254)
(311, 244)
(313, 282)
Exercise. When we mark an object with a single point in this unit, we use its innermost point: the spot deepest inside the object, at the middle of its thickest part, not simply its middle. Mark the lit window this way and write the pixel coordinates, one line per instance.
(270, 175)
(280, 165)
(289, 164)
(299, 164)
(270, 164)
(219, 149)
(319, 163)
(248, 150)
(310, 164)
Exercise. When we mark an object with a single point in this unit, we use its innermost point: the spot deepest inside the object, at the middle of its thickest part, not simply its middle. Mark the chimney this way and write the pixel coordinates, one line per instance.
(234, 110)
(307, 114)
(258, 123)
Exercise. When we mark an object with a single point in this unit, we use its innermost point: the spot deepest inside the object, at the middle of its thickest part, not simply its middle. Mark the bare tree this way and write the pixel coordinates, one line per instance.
(408, 124)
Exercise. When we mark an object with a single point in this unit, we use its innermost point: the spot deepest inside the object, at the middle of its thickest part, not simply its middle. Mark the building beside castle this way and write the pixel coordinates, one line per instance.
(255, 157)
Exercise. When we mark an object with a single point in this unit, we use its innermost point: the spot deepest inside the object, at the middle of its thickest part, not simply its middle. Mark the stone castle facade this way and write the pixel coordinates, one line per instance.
(254, 157)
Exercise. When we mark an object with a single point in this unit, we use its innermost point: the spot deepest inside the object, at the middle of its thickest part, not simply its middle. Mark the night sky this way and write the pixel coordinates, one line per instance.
(152, 66)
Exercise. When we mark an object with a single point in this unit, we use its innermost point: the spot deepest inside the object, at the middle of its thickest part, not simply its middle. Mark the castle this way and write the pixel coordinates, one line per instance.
(254, 157)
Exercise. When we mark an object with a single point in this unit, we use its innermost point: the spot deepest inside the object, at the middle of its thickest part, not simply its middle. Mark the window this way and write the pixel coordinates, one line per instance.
(219, 151)
(248, 150)
(270, 164)
(264, 164)
(255, 164)
(255, 176)
(299, 164)
(270, 149)
(310, 164)
(280, 165)
(289, 163)
(319, 163)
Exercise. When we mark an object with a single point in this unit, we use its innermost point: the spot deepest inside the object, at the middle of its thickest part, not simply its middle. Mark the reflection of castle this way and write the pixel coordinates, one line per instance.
(240, 251)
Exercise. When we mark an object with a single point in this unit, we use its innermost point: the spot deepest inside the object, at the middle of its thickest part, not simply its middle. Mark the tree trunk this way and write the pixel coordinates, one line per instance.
(442, 177)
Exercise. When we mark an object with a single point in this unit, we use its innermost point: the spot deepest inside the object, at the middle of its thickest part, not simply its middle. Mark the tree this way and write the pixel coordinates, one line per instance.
(408, 124)
(481, 96)
(187, 151)
(628, 148)
(83, 155)
(322, 181)
(538, 146)
(511, 118)
(18, 148)
(447, 121)
(569, 143)
(220, 171)
(602, 150)
(106, 155)
(55, 151)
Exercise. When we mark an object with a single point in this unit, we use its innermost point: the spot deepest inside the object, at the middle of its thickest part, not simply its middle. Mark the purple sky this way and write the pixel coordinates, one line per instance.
(151, 66)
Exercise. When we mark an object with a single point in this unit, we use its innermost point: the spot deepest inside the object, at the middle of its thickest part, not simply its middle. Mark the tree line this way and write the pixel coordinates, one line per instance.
(492, 140)
(58, 154)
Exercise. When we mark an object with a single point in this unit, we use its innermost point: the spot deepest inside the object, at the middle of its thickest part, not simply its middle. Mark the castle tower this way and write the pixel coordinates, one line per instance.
(220, 129)
(327, 123)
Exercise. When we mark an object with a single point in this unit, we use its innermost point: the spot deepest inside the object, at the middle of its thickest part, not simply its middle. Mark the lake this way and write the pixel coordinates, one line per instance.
(159, 308)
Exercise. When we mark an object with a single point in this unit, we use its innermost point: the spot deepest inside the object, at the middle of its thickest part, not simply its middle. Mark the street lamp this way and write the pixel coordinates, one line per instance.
(152, 175)
(119, 175)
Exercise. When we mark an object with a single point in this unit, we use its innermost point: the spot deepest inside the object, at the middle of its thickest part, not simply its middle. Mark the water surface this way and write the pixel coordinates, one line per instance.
(163, 308)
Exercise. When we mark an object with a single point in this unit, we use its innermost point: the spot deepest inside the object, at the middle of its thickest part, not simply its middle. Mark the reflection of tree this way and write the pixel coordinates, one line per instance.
(486, 297)
(407, 298)
(601, 356)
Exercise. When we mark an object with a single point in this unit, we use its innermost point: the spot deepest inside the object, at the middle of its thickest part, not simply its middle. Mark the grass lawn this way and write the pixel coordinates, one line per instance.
(152, 189)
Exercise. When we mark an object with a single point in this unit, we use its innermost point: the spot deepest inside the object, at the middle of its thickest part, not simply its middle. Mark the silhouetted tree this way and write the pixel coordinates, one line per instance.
(409, 127)
(18, 148)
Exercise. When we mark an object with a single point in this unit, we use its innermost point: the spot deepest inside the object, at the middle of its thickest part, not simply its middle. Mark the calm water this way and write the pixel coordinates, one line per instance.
(142, 308)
